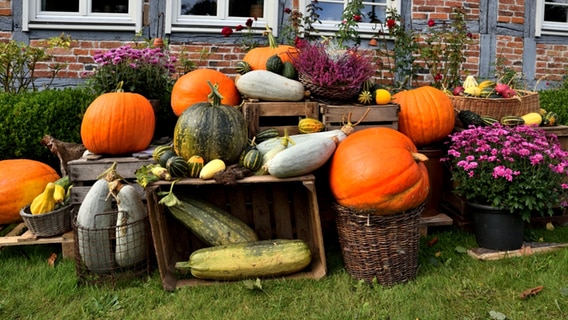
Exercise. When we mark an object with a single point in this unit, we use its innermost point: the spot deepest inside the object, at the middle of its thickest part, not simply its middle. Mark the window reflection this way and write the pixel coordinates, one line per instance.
(199, 7)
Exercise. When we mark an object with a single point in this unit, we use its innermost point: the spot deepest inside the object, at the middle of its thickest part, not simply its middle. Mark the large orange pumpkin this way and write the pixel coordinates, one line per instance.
(257, 57)
(426, 115)
(21, 180)
(378, 169)
(192, 88)
(118, 123)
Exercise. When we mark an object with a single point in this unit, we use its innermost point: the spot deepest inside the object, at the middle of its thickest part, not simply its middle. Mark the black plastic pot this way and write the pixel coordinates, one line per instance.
(496, 228)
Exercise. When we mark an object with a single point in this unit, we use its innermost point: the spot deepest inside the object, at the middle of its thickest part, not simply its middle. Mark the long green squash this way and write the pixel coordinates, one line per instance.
(266, 258)
(213, 225)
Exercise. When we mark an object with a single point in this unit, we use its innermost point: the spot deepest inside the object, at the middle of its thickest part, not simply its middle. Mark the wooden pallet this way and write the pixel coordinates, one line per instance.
(21, 236)
(527, 249)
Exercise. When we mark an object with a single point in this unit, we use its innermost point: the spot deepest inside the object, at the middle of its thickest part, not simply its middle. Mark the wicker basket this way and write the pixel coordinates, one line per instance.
(498, 108)
(48, 224)
(329, 94)
(381, 247)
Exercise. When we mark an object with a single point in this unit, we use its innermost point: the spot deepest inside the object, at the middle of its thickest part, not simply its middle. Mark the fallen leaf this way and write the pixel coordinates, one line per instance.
(51, 260)
(549, 226)
(531, 292)
(432, 242)
(460, 249)
(497, 315)
(526, 251)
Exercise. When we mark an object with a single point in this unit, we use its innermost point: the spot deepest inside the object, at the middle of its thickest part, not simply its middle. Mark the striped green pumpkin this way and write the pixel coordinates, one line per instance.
(252, 159)
(195, 163)
(177, 167)
(211, 130)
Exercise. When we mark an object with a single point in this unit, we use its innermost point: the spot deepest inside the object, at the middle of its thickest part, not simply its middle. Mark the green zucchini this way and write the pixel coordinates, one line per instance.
(213, 225)
(266, 258)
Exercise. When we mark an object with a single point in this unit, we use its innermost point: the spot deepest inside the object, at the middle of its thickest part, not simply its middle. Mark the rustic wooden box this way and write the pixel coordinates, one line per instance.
(561, 132)
(83, 173)
(335, 116)
(275, 208)
(279, 115)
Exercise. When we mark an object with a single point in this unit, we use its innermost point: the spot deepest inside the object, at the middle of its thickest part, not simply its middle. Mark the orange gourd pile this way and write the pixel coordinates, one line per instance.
(378, 170)
(118, 123)
(21, 180)
(192, 88)
(426, 115)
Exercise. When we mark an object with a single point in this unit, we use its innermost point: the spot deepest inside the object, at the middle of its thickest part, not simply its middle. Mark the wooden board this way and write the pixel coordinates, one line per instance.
(279, 115)
(528, 248)
(335, 116)
(274, 208)
(20, 236)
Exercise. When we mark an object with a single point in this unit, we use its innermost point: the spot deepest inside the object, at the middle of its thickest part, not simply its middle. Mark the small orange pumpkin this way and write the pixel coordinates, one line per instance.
(378, 169)
(426, 115)
(21, 180)
(192, 88)
(118, 123)
(258, 56)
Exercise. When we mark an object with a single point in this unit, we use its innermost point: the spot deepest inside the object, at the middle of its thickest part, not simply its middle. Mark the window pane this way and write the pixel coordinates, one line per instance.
(246, 8)
(110, 6)
(199, 7)
(60, 6)
(556, 11)
(331, 11)
(374, 14)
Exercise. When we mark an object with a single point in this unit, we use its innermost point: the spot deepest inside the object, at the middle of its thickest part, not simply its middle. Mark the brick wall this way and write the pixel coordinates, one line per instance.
(551, 59)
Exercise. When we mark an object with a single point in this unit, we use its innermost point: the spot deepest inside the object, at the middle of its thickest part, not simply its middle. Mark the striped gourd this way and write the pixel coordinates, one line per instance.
(195, 163)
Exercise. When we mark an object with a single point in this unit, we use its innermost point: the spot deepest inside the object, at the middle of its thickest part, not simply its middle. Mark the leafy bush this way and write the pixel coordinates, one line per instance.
(556, 100)
(28, 116)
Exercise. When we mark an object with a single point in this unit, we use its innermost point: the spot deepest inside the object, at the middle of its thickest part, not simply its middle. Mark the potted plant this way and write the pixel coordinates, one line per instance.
(518, 171)
(330, 73)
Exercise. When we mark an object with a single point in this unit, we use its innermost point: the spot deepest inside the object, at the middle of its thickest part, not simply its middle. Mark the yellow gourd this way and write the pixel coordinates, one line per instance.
(211, 168)
(59, 194)
(45, 201)
(533, 118)
(309, 125)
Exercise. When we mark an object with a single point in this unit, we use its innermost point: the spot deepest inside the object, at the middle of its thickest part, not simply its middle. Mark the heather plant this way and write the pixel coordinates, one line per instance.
(522, 168)
(326, 65)
(146, 71)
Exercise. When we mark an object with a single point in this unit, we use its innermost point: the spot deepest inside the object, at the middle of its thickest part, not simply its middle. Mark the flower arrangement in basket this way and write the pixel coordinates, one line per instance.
(331, 74)
(520, 168)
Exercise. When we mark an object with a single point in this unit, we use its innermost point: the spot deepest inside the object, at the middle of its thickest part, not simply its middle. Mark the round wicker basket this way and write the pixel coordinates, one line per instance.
(48, 224)
(384, 248)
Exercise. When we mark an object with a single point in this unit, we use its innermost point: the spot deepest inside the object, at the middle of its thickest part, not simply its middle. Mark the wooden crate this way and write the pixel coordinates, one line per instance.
(335, 116)
(275, 208)
(279, 115)
(83, 172)
(21, 236)
(561, 132)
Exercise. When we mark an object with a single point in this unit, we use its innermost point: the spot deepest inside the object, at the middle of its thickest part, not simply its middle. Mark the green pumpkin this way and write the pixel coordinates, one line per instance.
(274, 64)
(177, 167)
(289, 71)
(211, 130)
(165, 156)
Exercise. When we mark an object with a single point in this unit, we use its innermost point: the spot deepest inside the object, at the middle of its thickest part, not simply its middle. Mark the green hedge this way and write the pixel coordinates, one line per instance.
(28, 117)
(555, 100)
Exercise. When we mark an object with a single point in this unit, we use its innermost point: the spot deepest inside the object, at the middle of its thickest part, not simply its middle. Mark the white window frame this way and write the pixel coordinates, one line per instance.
(176, 22)
(34, 18)
(366, 30)
(548, 27)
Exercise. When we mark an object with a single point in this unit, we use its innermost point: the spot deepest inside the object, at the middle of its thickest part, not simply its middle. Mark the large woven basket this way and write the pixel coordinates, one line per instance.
(329, 94)
(48, 224)
(384, 248)
(525, 103)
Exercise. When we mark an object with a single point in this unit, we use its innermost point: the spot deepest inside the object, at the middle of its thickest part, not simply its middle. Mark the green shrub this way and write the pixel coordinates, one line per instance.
(27, 117)
(556, 100)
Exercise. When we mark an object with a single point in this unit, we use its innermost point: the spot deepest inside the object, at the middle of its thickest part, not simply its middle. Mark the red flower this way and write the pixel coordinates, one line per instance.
(469, 35)
(431, 23)
(438, 77)
(227, 31)
(249, 22)
(287, 10)
(357, 18)
(239, 27)
(391, 23)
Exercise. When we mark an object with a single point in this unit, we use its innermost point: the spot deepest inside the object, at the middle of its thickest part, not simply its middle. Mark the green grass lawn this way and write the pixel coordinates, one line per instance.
(449, 285)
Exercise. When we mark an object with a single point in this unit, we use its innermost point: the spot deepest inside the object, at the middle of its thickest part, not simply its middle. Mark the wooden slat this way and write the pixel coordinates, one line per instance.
(528, 248)
(85, 170)
(279, 115)
(335, 116)
(21, 236)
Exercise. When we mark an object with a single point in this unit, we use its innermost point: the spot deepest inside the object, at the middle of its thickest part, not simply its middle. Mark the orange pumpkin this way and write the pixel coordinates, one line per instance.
(426, 115)
(192, 88)
(21, 180)
(258, 56)
(118, 123)
(378, 169)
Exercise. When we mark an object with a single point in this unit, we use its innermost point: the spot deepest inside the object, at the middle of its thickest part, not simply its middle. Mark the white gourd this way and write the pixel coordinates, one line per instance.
(93, 238)
(302, 158)
(266, 145)
(131, 247)
(269, 86)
